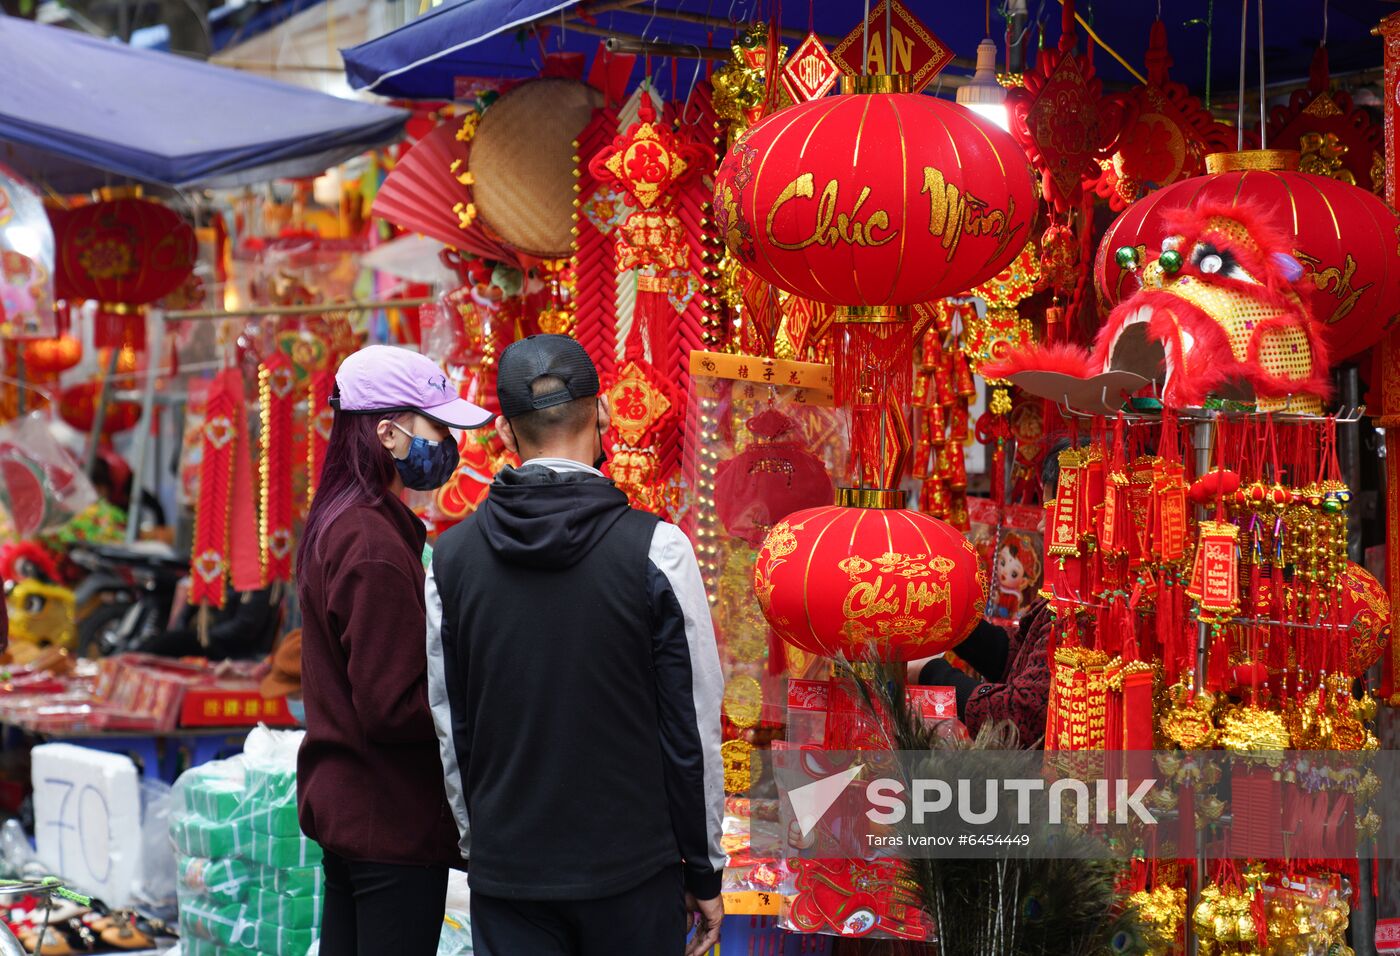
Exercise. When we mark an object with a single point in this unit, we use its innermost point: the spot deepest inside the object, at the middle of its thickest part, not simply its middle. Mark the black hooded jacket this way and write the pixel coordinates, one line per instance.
(575, 686)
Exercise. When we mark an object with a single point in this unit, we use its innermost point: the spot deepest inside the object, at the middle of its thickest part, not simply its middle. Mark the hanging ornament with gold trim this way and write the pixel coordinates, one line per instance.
(741, 85)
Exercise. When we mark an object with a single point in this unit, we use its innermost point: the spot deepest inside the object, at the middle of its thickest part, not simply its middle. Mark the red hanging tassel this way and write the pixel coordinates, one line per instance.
(1218, 665)
(242, 545)
(874, 354)
(777, 654)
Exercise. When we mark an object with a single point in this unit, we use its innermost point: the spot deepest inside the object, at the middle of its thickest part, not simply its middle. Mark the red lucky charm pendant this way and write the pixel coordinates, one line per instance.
(811, 72)
(1166, 133)
(219, 441)
(1063, 120)
(649, 163)
(276, 398)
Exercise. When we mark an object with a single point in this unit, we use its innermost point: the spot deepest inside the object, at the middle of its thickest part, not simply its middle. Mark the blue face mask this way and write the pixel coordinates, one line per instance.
(428, 464)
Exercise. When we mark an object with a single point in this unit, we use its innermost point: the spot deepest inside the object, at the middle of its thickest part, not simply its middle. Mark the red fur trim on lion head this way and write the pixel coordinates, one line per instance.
(1063, 358)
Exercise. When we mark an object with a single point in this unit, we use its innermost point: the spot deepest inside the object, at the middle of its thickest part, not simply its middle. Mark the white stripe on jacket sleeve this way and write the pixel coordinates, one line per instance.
(441, 707)
(671, 553)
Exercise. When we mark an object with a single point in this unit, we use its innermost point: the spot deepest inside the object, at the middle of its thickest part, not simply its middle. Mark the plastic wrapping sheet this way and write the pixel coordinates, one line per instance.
(41, 486)
(248, 880)
(764, 441)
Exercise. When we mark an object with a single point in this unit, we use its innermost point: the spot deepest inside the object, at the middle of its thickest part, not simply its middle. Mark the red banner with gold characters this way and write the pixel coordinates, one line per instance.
(277, 397)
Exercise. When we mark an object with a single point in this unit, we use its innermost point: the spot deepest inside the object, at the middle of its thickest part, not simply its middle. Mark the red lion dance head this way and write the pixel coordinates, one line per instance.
(1218, 315)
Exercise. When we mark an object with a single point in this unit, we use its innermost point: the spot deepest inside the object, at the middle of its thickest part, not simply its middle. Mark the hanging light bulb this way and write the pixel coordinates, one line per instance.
(983, 94)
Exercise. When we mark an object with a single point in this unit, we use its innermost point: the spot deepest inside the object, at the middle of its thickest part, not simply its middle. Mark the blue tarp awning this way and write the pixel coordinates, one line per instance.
(469, 37)
(487, 38)
(77, 112)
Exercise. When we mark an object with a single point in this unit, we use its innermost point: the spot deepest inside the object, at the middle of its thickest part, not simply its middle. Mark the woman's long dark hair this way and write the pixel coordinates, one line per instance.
(357, 470)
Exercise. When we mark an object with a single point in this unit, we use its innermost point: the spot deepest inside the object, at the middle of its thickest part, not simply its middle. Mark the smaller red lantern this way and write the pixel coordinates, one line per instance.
(78, 406)
(862, 582)
(51, 356)
(769, 480)
(1366, 605)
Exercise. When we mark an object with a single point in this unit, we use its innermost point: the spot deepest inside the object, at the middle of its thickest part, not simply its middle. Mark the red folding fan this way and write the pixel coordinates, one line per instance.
(423, 194)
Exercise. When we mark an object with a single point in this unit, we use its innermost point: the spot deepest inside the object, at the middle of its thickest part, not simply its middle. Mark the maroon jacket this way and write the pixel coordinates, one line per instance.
(369, 778)
(1016, 676)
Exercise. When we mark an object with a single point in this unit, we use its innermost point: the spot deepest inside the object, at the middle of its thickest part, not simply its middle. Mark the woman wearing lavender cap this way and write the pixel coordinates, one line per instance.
(369, 781)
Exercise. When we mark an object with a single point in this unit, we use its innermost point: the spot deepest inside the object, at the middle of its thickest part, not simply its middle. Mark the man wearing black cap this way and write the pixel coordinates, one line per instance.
(575, 684)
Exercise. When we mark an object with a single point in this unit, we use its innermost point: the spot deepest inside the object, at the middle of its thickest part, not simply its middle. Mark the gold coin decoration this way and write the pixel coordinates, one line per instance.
(745, 647)
(743, 701)
(797, 660)
(739, 762)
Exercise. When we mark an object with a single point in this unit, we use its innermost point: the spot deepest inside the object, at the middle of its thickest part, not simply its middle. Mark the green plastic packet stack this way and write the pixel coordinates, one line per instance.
(281, 852)
(291, 880)
(196, 836)
(293, 912)
(227, 880)
(250, 884)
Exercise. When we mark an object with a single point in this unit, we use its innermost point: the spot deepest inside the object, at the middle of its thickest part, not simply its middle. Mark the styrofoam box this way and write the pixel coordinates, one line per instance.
(87, 819)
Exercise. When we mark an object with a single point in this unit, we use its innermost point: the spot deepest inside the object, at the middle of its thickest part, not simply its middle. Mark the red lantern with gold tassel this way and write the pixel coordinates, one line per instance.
(877, 199)
(874, 201)
(125, 252)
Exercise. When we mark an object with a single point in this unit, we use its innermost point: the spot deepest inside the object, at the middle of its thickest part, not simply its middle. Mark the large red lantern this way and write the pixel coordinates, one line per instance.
(875, 199)
(1347, 239)
(125, 253)
(893, 584)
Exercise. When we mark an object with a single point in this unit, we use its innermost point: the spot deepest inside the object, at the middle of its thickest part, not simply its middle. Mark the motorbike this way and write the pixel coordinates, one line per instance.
(126, 596)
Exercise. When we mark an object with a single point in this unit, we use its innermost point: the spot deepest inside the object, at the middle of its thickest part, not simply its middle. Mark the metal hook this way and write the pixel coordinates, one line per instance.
(690, 95)
(1074, 411)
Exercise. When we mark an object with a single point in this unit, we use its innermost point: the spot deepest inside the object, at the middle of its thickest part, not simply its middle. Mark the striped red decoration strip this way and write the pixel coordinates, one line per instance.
(319, 417)
(218, 438)
(595, 284)
(276, 396)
